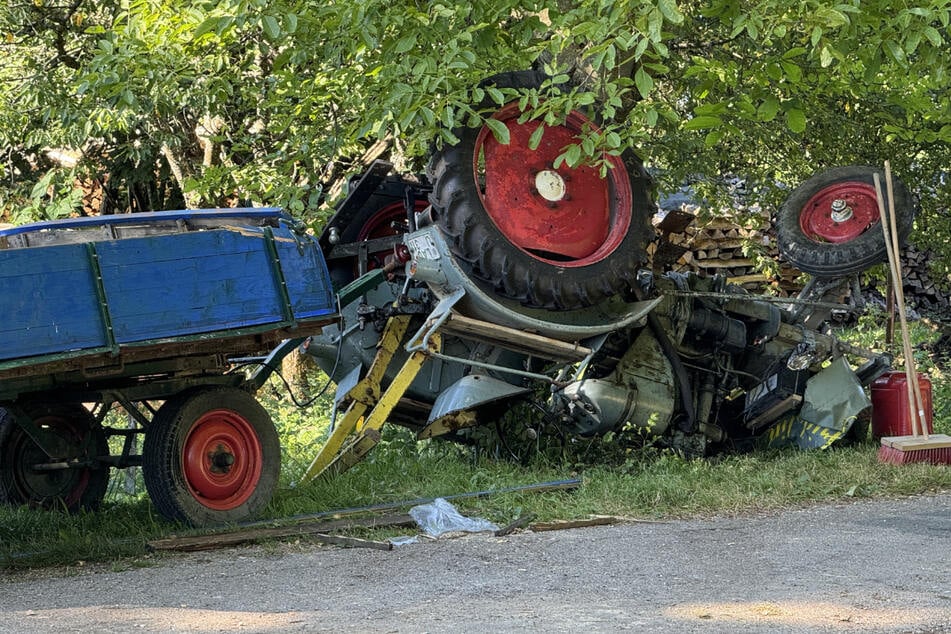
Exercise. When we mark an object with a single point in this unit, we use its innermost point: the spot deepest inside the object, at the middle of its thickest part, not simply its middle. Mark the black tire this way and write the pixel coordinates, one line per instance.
(539, 277)
(211, 456)
(69, 489)
(813, 240)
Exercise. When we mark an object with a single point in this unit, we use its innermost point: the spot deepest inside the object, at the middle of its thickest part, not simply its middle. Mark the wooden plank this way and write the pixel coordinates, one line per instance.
(720, 264)
(558, 525)
(316, 530)
(515, 525)
(514, 339)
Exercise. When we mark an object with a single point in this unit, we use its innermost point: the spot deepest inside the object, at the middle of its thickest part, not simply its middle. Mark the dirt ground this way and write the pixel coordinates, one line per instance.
(865, 566)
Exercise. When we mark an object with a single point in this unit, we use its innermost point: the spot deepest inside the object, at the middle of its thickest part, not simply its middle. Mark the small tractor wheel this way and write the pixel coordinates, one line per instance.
(211, 456)
(549, 237)
(830, 225)
(72, 489)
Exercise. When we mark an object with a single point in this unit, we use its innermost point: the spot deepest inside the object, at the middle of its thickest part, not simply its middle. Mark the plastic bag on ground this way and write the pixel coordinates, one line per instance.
(441, 517)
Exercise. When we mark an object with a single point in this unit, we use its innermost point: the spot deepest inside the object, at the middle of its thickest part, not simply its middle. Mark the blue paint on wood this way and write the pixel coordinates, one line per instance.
(157, 287)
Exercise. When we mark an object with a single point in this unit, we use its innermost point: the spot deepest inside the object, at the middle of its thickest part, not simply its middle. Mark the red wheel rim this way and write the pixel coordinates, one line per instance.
(222, 460)
(565, 216)
(840, 212)
(381, 225)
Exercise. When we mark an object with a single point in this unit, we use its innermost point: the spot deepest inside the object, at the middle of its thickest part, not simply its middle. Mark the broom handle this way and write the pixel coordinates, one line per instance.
(896, 278)
(910, 361)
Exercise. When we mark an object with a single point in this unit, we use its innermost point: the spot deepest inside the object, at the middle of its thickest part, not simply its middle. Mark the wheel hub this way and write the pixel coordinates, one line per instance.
(840, 210)
(222, 459)
(550, 185)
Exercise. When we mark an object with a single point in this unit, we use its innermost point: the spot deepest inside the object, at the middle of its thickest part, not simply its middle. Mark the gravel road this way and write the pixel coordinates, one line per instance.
(865, 566)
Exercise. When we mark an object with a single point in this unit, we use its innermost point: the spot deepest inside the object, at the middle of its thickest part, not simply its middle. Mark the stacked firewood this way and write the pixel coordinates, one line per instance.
(921, 290)
(718, 246)
(92, 196)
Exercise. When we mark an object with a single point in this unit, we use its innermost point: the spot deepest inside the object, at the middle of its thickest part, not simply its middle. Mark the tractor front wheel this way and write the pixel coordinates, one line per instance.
(830, 226)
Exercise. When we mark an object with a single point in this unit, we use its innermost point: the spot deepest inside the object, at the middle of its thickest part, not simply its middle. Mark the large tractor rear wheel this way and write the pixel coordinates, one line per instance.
(549, 237)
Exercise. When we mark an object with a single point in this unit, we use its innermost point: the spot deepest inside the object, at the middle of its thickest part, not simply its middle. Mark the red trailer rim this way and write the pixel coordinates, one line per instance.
(222, 459)
(564, 216)
(840, 212)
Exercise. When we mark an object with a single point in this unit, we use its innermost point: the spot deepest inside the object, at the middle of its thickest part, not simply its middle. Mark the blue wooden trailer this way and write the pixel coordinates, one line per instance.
(148, 312)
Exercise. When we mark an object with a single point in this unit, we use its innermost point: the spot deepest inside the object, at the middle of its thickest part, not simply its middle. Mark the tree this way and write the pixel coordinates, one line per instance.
(266, 101)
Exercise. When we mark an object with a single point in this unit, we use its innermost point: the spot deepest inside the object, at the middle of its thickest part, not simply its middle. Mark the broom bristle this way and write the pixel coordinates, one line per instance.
(900, 450)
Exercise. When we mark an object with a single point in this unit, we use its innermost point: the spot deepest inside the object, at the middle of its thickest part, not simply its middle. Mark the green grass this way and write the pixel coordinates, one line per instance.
(648, 483)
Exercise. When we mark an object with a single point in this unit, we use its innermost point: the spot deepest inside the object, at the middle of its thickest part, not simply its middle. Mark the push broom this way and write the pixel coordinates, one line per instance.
(920, 446)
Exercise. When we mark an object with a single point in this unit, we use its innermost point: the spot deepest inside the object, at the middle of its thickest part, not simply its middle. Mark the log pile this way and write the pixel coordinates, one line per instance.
(718, 246)
(93, 193)
(921, 290)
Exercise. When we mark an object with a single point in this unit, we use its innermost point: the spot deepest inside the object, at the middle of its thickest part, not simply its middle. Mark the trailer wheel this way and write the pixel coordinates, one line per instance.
(211, 456)
(71, 489)
(549, 237)
(830, 225)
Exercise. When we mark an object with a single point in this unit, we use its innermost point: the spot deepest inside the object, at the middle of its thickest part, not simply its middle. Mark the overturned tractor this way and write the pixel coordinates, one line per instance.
(499, 272)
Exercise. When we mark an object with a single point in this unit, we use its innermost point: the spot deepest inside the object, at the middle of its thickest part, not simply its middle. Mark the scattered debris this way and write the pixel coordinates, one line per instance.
(440, 517)
(515, 525)
(313, 530)
(558, 525)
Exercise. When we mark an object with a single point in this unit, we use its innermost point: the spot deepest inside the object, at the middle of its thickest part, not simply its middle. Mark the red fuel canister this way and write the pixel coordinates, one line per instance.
(890, 415)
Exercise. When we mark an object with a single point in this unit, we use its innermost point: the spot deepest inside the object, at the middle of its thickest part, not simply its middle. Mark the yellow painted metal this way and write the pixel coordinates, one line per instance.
(361, 397)
(369, 434)
(358, 430)
(449, 423)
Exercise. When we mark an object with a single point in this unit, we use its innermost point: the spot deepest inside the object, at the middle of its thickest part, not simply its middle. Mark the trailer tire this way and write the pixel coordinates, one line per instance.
(816, 239)
(69, 489)
(211, 456)
(549, 237)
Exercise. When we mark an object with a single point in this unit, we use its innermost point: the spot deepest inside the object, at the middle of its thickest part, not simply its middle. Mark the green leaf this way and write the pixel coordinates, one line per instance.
(495, 94)
(933, 36)
(206, 26)
(796, 120)
(703, 122)
(825, 57)
(712, 138)
(832, 18)
(405, 43)
(768, 110)
(644, 82)
(670, 11)
(290, 23)
(573, 155)
(447, 116)
(792, 71)
(499, 130)
(535, 140)
(272, 30)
